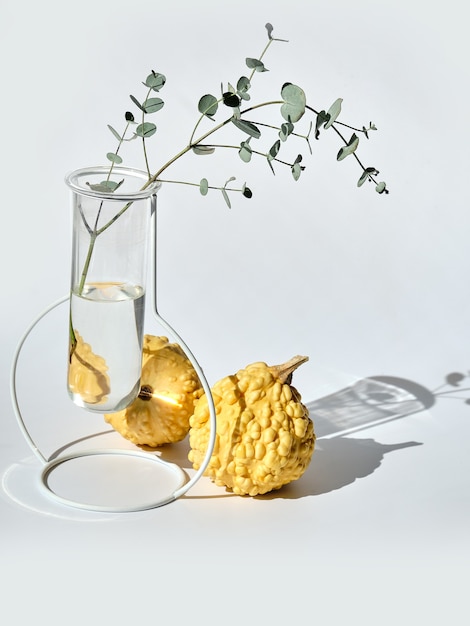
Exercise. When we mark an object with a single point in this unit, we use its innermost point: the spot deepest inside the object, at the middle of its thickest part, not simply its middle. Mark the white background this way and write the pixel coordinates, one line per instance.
(364, 284)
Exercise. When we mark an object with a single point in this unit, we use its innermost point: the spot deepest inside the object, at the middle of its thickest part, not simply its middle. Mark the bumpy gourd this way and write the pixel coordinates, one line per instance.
(264, 436)
(169, 390)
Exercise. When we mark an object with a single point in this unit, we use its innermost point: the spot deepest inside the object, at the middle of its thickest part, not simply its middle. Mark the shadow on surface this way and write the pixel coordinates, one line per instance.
(367, 402)
(338, 462)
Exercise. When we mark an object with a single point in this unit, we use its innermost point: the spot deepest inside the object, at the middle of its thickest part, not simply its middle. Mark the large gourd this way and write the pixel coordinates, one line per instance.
(265, 437)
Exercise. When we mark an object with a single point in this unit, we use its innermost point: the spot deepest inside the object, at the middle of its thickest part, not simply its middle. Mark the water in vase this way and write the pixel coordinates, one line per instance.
(105, 356)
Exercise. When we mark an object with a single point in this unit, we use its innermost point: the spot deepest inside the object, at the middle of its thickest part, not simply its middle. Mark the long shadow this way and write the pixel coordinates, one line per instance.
(336, 463)
(339, 460)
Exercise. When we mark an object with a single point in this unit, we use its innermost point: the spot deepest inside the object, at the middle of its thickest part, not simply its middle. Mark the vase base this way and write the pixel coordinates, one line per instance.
(114, 481)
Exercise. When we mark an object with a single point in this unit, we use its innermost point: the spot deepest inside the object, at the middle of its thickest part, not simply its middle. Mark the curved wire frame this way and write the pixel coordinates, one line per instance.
(48, 465)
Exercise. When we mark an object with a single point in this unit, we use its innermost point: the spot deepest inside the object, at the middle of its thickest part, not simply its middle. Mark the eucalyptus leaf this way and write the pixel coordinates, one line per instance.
(155, 81)
(203, 150)
(243, 85)
(245, 151)
(333, 112)
(294, 102)
(231, 99)
(273, 151)
(137, 103)
(364, 176)
(349, 148)
(247, 127)
(105, 186)
(129, 116)
(114, 158)
(147, 129)
(208, 105)
(322, 118)
(286, 129)
(226, 198)
(255, 64)
(115, 133)
(246, 191)
(269, 28)
(152, 105)
(381, 187)
(369, 171)
(296, 170)
(204, 186)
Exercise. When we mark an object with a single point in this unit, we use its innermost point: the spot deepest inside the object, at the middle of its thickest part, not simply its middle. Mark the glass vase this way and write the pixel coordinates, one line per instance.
(111, 218)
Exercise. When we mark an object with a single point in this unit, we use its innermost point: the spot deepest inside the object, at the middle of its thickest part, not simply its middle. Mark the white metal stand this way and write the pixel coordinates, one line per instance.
(49, 465)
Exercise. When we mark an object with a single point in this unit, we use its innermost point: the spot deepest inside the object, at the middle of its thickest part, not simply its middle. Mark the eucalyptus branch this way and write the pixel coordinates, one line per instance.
(292, 104)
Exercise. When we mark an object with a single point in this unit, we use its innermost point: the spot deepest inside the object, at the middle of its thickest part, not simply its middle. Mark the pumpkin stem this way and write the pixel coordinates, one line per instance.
(146, 393)
(284, 372)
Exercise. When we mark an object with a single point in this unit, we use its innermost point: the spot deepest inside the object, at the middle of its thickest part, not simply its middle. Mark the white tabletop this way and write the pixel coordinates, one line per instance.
(373, 288)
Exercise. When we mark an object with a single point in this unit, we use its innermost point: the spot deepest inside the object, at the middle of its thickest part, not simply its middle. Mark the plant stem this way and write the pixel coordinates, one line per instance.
(86, 265)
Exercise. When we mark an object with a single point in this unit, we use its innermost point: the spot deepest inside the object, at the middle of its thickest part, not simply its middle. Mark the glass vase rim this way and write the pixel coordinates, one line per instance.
(125, 196)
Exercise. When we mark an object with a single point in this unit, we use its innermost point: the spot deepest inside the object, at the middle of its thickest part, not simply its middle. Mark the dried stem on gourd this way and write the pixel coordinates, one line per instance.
(284, 372)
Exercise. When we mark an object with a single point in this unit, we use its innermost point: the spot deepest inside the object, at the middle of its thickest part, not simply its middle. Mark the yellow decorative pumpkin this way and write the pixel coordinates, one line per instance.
(265, 437)
(169, 390)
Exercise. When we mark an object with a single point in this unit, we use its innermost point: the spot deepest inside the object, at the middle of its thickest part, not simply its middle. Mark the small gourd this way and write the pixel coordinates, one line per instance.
(169, 389)
(264, 435)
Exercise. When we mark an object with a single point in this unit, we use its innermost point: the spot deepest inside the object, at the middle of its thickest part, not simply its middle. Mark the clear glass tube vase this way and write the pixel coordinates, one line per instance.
(111, 220)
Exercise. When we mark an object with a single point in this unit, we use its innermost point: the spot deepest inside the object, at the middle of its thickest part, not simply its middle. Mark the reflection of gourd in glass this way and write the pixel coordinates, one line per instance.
(87, 375)
(168, 393)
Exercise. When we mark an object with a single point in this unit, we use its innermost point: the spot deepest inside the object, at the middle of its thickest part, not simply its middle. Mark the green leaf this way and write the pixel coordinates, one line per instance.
(296, 171)
(115, 133)
(152, 105)
(208, 105)
(269, 28)
(333, 112)
(349, 148)
(369, 171)
(245, 151)
(246, 191)
(381, 188)
(114, 158)
(247, 127)
(243, 85)
(204, 186)
(273, 151)
(203, 150)
(296, 168)
(137, 103)
(322, 118)
(226, 198)
(255, 64)
(231, 99)
(105, 186)
(145, 130)
(286, 130)
(294, 102)
(155, 81)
